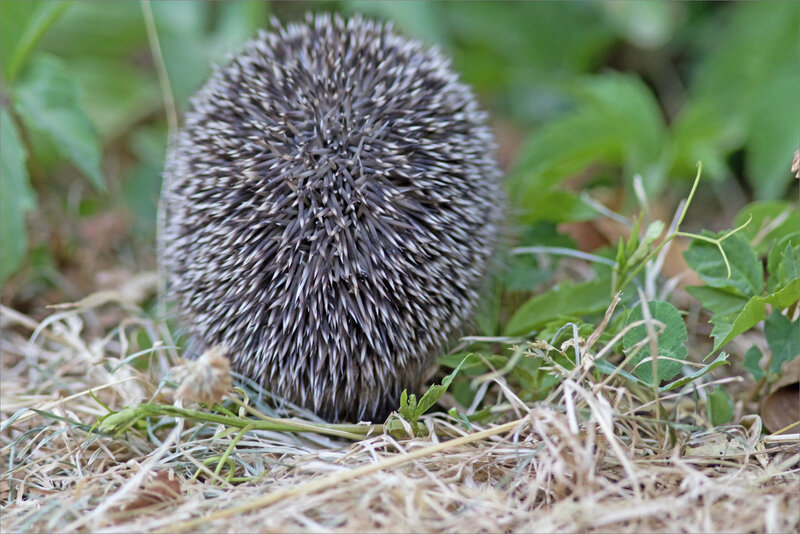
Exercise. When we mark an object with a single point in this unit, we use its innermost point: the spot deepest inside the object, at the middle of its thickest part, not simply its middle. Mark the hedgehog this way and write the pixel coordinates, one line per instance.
(331, 209)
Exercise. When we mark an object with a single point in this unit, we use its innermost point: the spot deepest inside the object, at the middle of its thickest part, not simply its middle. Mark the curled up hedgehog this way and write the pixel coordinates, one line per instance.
(331, 208)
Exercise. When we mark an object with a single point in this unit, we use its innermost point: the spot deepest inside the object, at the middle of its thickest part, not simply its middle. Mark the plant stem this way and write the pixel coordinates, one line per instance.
(349, 431)
(667, 239)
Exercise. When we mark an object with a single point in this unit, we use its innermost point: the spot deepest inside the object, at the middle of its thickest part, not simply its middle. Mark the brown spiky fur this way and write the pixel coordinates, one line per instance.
(331, 209)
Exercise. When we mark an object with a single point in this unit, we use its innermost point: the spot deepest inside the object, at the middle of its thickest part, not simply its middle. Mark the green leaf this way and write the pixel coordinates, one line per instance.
(557, 207)
(654, 230)
(188, 47)
(776, 257)
(435, 393)
(117, 94)
(408, 407)
(718, 301)
(727, 327)
(752, 362)
(16, 197)
(784, 297)
(510, 49)
(236, 22)
(671, 342)
(745, 95)
(763, 215)
(720, 407)
(783, 338)
(416, 19)
(23, 24)
(789, 265)
(722, 359)
(411, 410)
(618, 121)
(773, 132)
(607, 368)
(47, 99)
(566, 299)
(747, 278)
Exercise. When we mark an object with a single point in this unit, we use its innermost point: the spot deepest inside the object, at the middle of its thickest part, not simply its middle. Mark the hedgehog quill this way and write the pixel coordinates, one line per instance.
(331, 206)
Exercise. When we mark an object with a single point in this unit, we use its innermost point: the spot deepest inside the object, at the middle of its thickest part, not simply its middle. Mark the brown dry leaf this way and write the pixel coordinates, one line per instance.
(207, 379)
(781, 407)
(161, 487)
(716, 444)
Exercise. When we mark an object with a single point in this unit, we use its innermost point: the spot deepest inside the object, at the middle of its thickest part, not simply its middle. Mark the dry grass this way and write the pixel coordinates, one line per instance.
(592, 457)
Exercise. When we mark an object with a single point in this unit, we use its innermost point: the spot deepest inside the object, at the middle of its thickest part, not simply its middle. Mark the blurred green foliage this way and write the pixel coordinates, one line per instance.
(597, 91)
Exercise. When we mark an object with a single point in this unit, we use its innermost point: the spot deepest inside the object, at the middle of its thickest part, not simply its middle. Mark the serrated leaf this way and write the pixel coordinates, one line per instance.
(411, 409)
(783, 338)
(789, 265)
(775, 257)
(786, 296)
(671, 342)
(720, 407)
(727, 327)
(16, 197)
(722, 359)
(747, 278)
(436, 391)
(48, 100)
(752, 362)
(566, 299)
(718, 301)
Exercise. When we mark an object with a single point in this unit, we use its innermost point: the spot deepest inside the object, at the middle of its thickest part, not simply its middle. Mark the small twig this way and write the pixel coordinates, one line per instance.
(161, 66)
(172, 124)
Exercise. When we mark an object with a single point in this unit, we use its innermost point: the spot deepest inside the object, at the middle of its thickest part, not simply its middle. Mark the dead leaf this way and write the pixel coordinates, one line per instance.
(159, 488)
(781, 407)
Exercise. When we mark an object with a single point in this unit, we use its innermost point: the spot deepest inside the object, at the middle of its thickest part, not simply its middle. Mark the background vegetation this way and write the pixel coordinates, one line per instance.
(583, 97)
